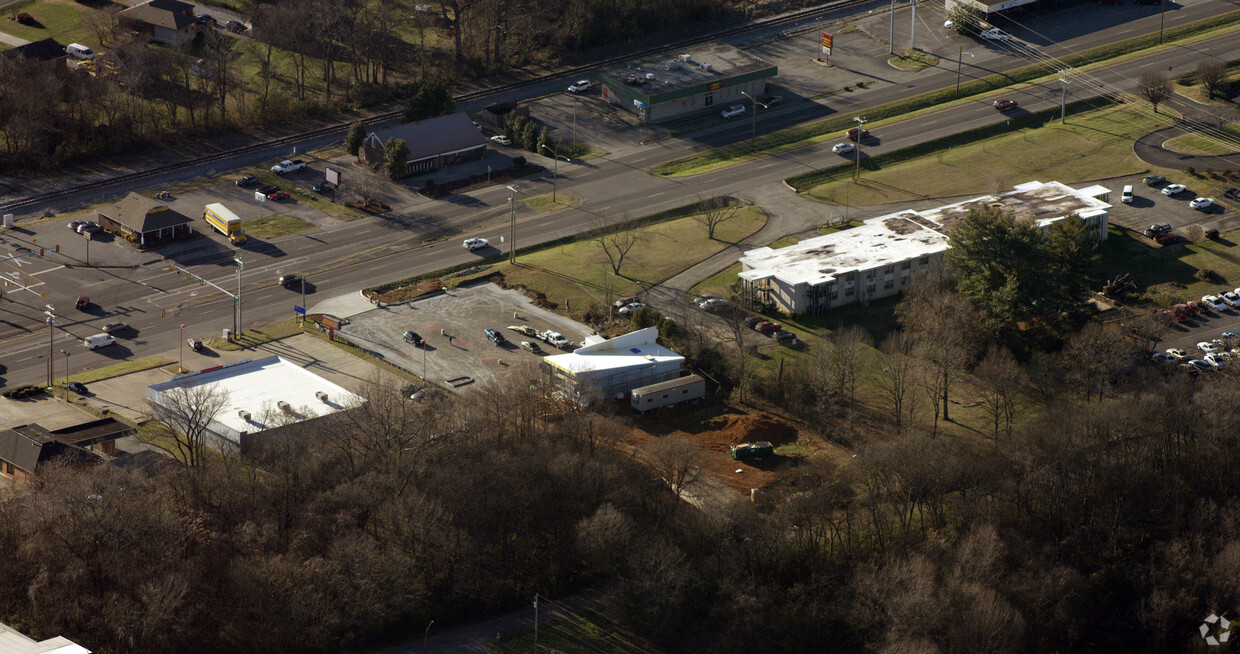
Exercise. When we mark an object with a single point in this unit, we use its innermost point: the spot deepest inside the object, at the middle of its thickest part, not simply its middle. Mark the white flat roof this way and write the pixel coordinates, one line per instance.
(15, 642)
(257, 387)
(877, 242)
(907, 235)
(631, 350)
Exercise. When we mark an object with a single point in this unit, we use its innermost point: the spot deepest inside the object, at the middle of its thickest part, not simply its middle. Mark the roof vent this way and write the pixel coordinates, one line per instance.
(284, 406)
(649, 75)
(245, 415)
(687, 58)
(672, 64)
(321, 395)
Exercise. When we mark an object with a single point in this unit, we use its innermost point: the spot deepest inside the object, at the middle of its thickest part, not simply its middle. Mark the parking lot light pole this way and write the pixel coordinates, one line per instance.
(181, 364)
(753, 130)
(66, 353)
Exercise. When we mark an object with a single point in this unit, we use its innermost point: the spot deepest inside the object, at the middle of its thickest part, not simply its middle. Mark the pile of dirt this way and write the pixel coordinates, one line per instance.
(716, 440)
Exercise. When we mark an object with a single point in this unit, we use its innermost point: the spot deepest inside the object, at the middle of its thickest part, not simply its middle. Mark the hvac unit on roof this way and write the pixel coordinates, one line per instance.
(245, 415)
(284, 406)
(688, 59)
(321, 395)
(672, 64)
(649, 75)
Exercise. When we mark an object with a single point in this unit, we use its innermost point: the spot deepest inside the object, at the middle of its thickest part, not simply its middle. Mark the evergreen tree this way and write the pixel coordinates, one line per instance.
(395, 156)
(354, 139)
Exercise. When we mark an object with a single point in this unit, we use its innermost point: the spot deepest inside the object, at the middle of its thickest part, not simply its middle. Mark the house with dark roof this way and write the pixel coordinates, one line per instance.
(144, 221)
(170, 22)
(48, 52)
(433, 143)
(26, 447)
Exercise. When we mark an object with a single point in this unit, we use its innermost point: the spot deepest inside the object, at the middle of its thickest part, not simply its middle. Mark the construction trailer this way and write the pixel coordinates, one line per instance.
(669, 393)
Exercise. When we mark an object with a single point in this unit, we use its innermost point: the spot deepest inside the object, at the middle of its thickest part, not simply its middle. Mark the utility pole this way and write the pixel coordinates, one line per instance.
(1063, 97)
(1162, 19)
(303, 304)
(512, 223)
(51, 334)
(912, 33)
(891, 40)
(860, 135)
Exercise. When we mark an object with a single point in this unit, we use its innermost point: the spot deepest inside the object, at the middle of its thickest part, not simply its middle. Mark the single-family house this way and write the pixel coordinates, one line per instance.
(170, 22)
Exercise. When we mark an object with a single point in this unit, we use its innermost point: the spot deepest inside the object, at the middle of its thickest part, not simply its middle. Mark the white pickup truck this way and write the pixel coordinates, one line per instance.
(287, 166)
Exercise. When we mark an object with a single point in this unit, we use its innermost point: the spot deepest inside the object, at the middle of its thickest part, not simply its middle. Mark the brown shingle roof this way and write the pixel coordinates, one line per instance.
(142, 214)
(427, 138)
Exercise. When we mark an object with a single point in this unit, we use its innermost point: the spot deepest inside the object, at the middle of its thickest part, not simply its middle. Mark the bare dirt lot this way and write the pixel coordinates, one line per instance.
(452, 324)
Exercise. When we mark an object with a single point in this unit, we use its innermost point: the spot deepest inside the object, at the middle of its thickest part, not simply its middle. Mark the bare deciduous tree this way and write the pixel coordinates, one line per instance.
(1212, 73)
(103, 23)
(716, 211)
(676, 461)
(1222, 115)
(846, 361)
(189, 411)
(617, 240)
(1000, 380)
(945, 326)
(1155, 87)
(895, 376)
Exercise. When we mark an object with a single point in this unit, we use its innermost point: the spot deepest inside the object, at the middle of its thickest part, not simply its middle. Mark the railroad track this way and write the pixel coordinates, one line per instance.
(465, 97)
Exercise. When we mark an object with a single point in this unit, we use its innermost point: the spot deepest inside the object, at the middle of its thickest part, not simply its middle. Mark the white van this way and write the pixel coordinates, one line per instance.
(98, 340)
(79, 51)
(1126, 196)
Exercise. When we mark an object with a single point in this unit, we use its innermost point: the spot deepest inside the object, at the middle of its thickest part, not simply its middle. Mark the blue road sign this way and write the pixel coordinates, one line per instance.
(299, 310)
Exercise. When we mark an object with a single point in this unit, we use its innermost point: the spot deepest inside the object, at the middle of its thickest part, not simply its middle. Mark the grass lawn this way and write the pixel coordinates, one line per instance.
(1195, 144)
(275, 225)
(1090, 146)
(546, 204)
(62, 20)
(721, 284)
(914, 60)
(1151, 265)
(258, 335)
(122, 368)
(783, 243)
(576, 275)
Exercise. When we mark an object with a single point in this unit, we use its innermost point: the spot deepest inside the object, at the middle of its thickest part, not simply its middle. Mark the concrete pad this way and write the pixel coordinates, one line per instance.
(45, 410)
(343, 306)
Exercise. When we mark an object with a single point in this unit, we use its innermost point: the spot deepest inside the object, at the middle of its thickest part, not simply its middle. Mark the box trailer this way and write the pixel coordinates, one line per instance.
(669, 393)
(225, 222)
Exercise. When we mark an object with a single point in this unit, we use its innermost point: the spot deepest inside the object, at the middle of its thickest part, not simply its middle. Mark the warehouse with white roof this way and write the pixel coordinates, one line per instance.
(615, 366)
(262, 396)
(879, 258)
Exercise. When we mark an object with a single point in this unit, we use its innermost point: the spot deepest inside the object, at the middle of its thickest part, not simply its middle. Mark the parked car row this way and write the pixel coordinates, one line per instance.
(553, 338)
(1171, 190)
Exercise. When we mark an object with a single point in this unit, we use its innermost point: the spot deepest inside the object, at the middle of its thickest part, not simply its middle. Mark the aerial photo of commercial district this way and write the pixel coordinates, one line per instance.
(619, 326)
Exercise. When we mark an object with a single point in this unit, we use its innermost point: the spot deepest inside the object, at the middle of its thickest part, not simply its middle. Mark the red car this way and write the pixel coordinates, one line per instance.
(1195, 308)
(82, 303)
(278, 195)
(1005, 104)
(1184, 309)
(1174, 315)
(768, 327)
(858, 133)
(1165, 238)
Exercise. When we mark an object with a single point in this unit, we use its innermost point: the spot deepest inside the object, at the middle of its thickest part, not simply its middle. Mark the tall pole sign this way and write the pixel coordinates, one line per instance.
(826, 46)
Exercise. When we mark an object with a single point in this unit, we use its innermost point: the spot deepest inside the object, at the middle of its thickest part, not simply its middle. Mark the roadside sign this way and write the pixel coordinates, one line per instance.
(826, 44)
(301, 311)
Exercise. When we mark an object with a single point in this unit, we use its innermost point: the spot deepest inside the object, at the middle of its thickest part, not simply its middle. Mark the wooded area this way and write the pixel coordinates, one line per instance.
(301, 58)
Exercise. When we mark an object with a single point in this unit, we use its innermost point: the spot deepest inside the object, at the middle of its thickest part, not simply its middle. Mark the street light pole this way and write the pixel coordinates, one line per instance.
(426, 636)
(51, 334)
(513, 189)
(237, 321)
(1063, 97)
(860, 135)
(535, 623)
(181, 364)
(1162, 19)
(66, 353)
(753, 133)
(555, 168)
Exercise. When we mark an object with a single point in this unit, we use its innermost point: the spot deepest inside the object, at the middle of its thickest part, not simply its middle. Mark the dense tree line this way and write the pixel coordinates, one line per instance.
(301, 57)
(1091, 509)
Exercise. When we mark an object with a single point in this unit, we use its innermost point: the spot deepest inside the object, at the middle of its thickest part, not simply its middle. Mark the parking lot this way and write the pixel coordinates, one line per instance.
(1150, 206)
(452, 325)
